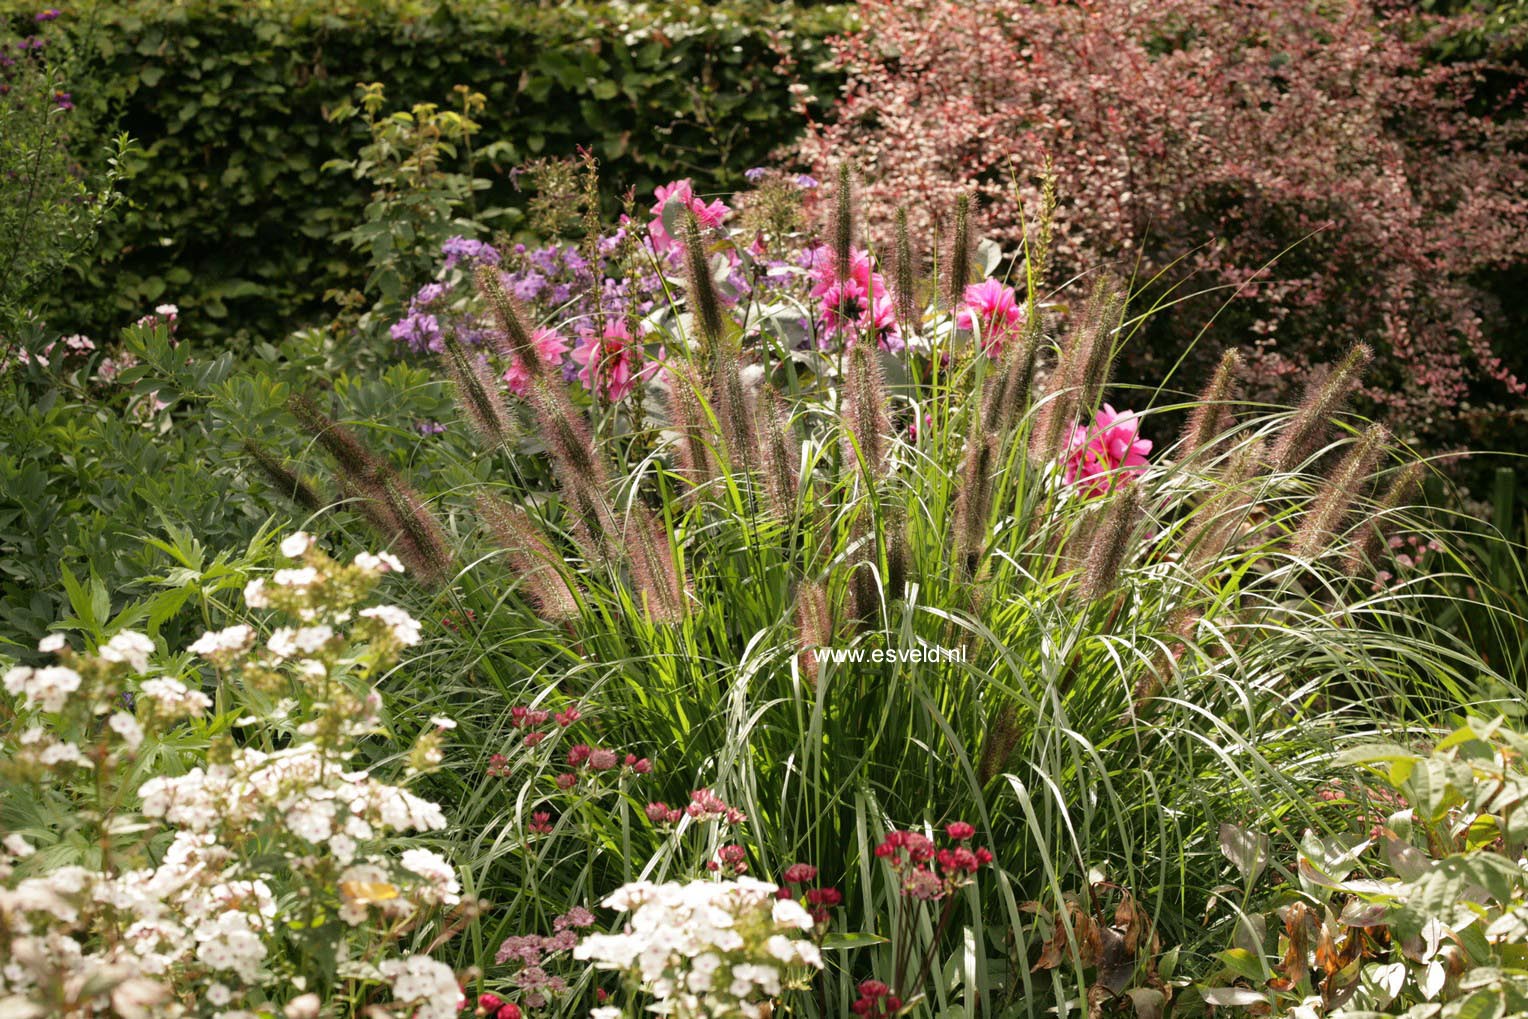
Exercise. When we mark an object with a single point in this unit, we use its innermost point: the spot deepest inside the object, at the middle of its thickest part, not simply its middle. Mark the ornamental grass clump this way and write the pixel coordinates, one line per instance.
(839, 570)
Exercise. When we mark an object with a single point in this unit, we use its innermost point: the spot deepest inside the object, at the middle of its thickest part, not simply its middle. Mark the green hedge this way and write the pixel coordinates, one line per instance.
(233, 218)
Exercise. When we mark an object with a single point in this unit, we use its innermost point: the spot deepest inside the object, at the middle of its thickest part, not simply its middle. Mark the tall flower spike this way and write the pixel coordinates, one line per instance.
(1400, 492)
(731, 405)
(1002, 737)
(814, 628)
(1323, 398)
(283, 480)
(779, 456)
(1211, 416)
(959, 273)
(693, 455)
(866, 597)
(1336, 495)
(576, 465)
(531, 558)
(843, 220)
(1006, 393)
(355, 460)
(477, 392)
(650, 556)
(1110, 544)
(422, 531)
(704, 303)
(1083, 370)
(973, 506)
(516, 341)
(904, 281)
(1222, 515)
(865, 411)
(894, 527)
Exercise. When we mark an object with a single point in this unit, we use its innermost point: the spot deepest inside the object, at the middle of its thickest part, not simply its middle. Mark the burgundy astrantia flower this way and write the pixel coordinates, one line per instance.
(927, 871)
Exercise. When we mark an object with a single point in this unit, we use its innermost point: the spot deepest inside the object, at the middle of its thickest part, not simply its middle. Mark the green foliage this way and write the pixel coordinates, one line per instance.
(50, 204)
(111, 460)
(234, 217)
(415, 202)
(1440, 928)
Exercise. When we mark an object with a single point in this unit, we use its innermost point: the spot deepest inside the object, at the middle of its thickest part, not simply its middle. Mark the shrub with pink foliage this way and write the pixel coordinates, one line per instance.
(1220, 134)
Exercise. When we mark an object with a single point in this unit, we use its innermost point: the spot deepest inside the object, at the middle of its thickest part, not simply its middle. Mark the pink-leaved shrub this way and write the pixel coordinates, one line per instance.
(1200, 140)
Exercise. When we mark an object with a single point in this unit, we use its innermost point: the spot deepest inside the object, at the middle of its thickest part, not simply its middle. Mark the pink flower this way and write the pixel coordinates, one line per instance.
(612, 361)
(682, 190)
(550, 346)
(995, 310)
(799, 873)
(859, 304)
(1104, 457)
(959, 830)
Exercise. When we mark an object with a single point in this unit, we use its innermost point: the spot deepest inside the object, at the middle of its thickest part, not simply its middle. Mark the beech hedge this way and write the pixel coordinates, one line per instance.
(233, 217)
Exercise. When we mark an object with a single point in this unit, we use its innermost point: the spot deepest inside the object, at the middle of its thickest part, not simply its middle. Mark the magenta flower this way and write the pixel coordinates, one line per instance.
(684, 191)
(1104, 457)
(859, 304)
(550, 346)
(995, 310)
(611, 362)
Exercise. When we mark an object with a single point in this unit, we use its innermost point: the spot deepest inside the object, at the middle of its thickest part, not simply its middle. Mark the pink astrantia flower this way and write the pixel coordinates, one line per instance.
(1105, 456)
(995, 310)
(550, 346)
(613, 361)
(684, 191)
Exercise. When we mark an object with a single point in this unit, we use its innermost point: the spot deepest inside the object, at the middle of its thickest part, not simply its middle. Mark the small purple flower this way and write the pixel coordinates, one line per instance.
(64, 99)
(429, 294)
(457, 249)
(755, 174)
(420, 332)
(527, 285)
(426, 427)
(807, 182)
(47, 15)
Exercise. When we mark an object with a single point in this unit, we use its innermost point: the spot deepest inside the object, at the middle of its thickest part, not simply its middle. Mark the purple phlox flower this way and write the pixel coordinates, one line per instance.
(754, 174)
(456, 249)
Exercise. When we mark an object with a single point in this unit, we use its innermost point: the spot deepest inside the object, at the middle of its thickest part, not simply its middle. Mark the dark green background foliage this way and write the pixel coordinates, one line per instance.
(233, 216)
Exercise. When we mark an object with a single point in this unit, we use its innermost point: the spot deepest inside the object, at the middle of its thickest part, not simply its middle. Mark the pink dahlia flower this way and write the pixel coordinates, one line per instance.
(1105, 456)
(859, 304)
(550, 346)
(613, 361)
(683, 190)
(995, 310)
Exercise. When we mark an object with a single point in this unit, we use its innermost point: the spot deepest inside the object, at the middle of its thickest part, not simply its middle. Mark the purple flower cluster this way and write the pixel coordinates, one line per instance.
(459, 249)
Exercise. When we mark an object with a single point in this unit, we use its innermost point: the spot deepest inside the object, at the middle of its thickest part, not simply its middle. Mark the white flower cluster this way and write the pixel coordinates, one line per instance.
(245, 845)
(712, 948)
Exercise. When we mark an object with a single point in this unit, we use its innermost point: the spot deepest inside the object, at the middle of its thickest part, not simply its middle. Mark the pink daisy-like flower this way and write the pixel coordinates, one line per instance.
(823, 266)
(859, 304)
(707, 215)
(1105, 456)
(613, 360)
(995, 310)
(550, 346)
